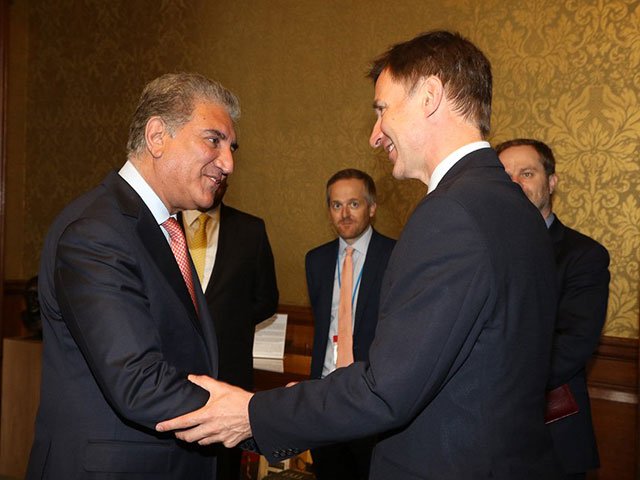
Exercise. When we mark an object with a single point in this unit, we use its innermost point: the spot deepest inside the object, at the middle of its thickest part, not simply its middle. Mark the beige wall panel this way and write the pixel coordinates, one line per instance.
(565, 72)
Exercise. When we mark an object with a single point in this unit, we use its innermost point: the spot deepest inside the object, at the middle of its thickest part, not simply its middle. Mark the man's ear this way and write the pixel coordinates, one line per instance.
(553, 181)
(155, 133)
(432, 92)
(372, 210)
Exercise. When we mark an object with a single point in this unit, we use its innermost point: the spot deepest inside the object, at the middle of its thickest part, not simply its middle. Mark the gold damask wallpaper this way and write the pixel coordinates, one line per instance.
(565, 71)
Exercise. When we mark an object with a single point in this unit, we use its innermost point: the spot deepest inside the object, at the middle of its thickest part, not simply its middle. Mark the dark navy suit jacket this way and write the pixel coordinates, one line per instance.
(320, 266)
(459, 365)
(120, 336)
(583, 291)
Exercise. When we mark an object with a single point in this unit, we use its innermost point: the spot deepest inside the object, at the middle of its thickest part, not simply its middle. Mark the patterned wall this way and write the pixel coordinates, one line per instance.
(566, 71)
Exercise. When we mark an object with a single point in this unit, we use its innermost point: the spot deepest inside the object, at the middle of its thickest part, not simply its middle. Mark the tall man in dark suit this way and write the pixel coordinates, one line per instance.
(583, 292)
(351, 200)
(233, 258)
(122, 321)
(457, 370)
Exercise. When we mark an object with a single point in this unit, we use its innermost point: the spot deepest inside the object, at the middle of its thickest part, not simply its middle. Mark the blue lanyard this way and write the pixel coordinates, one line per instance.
(355, 287)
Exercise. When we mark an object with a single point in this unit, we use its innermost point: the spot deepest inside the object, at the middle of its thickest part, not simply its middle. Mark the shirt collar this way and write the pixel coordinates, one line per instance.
(360, 245)
(549, 220)
(132, 176)
(190, 216)
(450, 160)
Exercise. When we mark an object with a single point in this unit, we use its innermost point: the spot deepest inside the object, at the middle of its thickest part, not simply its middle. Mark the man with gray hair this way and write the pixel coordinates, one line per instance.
(123, 315)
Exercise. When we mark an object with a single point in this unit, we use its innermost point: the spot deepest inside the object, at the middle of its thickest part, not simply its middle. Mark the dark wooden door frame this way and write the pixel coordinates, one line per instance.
(4, 66)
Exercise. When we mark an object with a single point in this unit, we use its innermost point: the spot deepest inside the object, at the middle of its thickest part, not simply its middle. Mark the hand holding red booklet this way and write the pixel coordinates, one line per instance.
(560, 404)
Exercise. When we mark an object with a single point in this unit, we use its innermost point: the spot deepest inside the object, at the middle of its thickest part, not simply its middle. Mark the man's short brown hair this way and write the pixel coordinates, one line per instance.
(462, 68)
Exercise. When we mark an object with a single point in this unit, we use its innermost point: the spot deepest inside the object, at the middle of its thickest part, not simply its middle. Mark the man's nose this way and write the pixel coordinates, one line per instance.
(225, 161)
(375, 140)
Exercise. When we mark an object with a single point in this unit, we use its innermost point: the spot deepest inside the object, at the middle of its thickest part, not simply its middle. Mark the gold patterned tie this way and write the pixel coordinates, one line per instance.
(345, 328)
(198, 247)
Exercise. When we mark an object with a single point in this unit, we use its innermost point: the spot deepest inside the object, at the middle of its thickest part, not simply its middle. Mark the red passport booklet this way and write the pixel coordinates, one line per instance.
(560, 404)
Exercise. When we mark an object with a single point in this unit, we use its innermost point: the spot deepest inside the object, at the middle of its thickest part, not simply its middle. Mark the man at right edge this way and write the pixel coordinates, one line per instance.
(583, 292)
(457, 371)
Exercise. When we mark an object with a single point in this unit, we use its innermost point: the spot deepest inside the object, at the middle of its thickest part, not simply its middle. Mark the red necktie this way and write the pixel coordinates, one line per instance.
(345, 328)
(179, 249)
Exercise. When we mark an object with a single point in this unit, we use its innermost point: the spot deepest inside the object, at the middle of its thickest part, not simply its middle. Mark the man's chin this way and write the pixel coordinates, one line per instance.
(351, 234)
(205, 202)
(397, 172)
(346, 234)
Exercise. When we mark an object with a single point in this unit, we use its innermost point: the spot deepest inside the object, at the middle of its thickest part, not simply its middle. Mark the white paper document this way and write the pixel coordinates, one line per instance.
(269, 364)
(270, 336)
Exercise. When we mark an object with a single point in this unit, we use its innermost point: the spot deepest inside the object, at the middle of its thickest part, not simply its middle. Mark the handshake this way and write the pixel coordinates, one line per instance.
(223, 419)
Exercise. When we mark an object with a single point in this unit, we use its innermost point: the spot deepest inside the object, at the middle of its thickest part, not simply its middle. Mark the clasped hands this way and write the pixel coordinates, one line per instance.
(223, 419)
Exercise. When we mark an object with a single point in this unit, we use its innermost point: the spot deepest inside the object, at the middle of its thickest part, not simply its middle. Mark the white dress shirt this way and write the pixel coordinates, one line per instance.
(450, 160)
(158, 209)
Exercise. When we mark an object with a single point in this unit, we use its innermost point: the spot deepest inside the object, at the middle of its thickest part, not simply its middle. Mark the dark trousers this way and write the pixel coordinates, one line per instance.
(575, 476)
(228, 463)
(343, 461)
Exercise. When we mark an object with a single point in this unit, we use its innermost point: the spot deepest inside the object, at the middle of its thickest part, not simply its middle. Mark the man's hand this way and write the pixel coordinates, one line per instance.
(224, 418)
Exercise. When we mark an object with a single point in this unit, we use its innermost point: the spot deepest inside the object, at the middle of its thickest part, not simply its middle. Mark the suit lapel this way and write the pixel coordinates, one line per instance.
(224, 235)
(206, 326)
(204, 323)
(153, 240)
(556, 230)
(327, 277)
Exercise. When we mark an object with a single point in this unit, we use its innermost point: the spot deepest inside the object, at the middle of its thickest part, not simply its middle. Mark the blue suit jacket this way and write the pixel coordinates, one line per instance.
(583, 291)
(120, 335)
(458, 368)
(320, 266)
